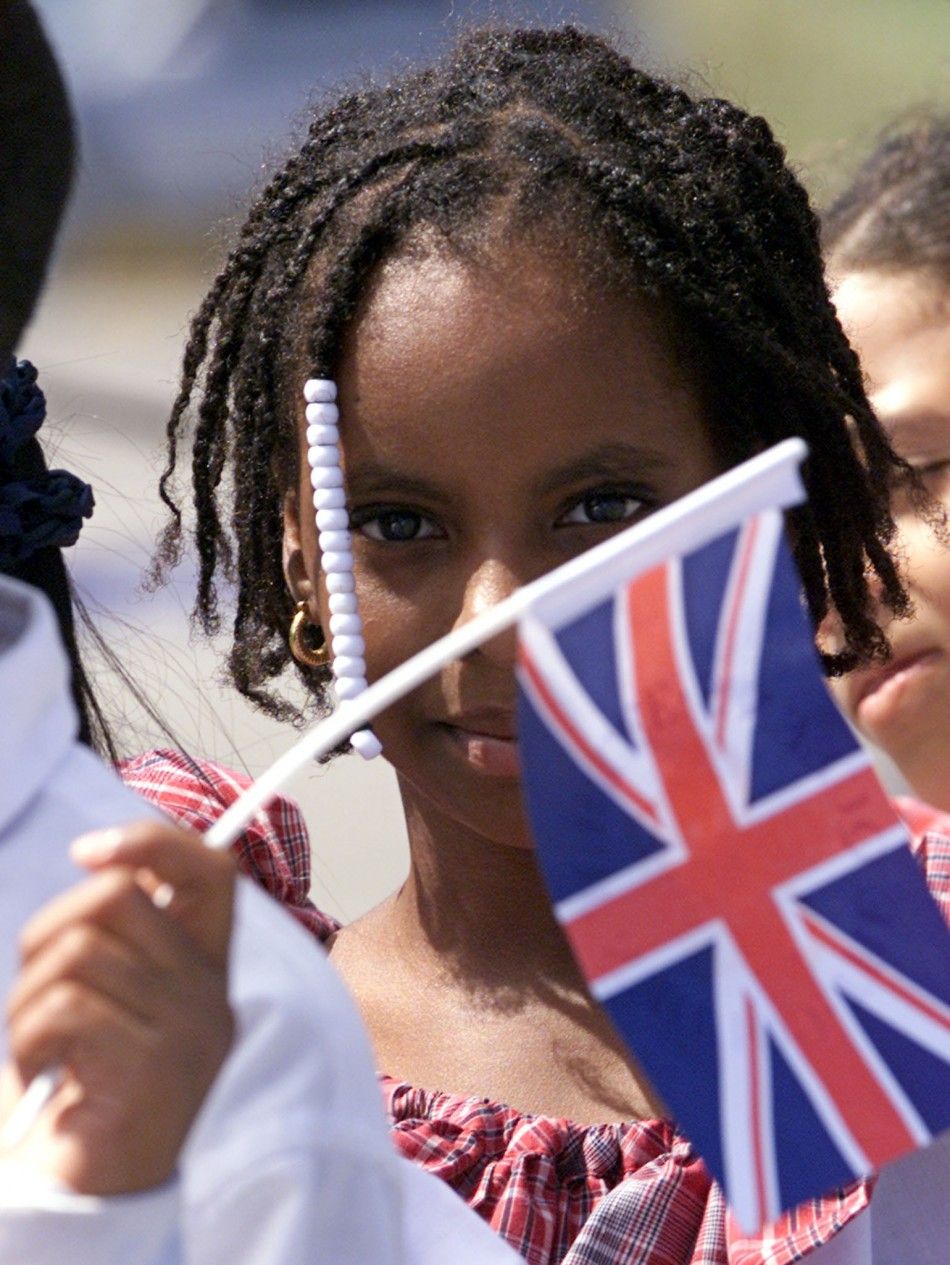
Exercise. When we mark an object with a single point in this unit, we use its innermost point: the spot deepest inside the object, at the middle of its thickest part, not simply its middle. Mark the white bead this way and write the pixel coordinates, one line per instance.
(346, 624)
(333, 540)
(352, 645)
(323, 435)
(342, 603)
(340, 582)
(349, 665)
(329, 499)
(332, 520)
(317, 390)
(337, 562)
(326, 477)
(366, 743)
(349, 687)
(325, 455)
(322, 414)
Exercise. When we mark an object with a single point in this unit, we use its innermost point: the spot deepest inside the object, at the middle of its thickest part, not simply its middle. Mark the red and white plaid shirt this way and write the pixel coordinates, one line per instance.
(612, 1194)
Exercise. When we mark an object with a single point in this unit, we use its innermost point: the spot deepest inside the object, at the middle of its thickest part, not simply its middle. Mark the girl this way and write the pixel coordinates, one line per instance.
(533, 293)
(888, 244)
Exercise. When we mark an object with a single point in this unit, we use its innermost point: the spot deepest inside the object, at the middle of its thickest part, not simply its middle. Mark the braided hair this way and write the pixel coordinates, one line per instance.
(895, 215)
(687, 201)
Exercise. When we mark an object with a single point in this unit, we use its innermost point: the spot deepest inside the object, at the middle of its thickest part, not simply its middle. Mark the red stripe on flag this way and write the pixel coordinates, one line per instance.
(755, 1093)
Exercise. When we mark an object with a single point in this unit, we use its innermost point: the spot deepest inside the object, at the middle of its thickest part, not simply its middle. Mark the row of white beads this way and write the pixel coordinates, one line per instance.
(336, 553)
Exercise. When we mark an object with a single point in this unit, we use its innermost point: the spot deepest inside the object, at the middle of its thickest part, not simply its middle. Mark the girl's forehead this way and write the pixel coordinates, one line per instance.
(899, 324)
(442, 324)
(515, 361)
(882, 311)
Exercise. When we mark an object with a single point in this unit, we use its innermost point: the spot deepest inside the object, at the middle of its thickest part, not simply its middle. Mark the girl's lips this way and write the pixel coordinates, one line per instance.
(881, 691)
(494, 754)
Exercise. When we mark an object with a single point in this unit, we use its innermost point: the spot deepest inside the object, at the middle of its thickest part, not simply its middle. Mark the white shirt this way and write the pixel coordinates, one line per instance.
(289, 1161)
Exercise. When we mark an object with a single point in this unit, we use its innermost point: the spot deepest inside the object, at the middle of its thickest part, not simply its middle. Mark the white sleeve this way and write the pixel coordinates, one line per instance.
(339, 1204)
(290, 1161)
(850, 1246)
(910, 1209)
(299, 1209)
(45, 1225)
(908, 1219)
(440, 1227)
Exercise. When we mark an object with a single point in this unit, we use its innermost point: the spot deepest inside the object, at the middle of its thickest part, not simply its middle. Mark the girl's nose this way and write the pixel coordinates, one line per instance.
(488, 584)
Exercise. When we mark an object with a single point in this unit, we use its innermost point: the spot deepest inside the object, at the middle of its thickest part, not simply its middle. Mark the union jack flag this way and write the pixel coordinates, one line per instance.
(731, 877)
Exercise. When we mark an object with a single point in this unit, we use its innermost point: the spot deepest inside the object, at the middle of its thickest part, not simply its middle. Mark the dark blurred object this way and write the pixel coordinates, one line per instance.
(36, 162)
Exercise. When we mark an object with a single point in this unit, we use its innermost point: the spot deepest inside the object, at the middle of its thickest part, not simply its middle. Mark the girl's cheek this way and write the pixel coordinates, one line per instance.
(925, 560)
(395, 624)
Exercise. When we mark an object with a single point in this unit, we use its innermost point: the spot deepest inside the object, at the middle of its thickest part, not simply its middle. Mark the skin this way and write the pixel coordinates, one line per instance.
(900, 326)
(131, 1000)
(499, 415)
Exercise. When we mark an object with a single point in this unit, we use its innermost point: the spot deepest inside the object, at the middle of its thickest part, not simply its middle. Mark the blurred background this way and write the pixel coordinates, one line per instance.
(182, 106)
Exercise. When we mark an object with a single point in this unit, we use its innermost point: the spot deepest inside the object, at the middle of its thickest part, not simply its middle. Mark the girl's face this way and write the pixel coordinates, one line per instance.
(495, 422)
(900, 325)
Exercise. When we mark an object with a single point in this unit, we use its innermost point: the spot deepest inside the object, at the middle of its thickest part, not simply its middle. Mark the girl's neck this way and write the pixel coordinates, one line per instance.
(466, 983)
(480, 907)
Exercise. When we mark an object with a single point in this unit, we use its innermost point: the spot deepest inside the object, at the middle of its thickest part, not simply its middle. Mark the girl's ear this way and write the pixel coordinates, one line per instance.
(295, 566)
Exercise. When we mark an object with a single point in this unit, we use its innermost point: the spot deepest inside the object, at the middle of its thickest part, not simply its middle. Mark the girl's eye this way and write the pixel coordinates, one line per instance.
(393, 526)
(935, 476)
(604, 507)
(932, 469)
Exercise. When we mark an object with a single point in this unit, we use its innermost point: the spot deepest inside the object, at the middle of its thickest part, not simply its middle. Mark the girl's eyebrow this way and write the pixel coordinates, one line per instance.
(608, 460)
(368, 478)
(605, 461)
(916, 428)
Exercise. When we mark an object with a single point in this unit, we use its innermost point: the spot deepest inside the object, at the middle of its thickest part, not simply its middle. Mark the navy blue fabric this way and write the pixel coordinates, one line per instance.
(47, 510)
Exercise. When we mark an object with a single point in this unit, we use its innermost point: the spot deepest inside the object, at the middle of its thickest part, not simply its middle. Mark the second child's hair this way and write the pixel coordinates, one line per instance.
(551, 133)
(895, 214)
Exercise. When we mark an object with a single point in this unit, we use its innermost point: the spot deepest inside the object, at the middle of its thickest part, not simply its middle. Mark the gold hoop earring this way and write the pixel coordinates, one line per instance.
(300, 637)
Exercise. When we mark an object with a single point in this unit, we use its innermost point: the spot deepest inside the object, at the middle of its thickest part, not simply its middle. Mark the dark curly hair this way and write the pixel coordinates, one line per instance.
(688, 201)
(895, 215)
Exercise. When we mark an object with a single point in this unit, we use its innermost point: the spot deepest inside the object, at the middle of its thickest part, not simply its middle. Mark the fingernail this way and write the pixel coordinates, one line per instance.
(163, 895)
(97, 845)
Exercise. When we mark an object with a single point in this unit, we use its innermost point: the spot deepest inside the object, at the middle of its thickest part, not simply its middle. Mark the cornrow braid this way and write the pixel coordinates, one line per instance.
(895, 215)
(546, 131)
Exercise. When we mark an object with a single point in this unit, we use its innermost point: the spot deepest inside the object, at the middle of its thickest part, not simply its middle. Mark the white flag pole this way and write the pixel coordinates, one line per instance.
(768, 480)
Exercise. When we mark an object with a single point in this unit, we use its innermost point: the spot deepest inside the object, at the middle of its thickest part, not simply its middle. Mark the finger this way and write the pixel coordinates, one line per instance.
(193, 881)
(72, 1026)
(114, 901)
(176, 855)
(87, 954)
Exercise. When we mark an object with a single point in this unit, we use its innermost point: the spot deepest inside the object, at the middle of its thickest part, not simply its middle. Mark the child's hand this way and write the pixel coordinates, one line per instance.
(130, 999)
